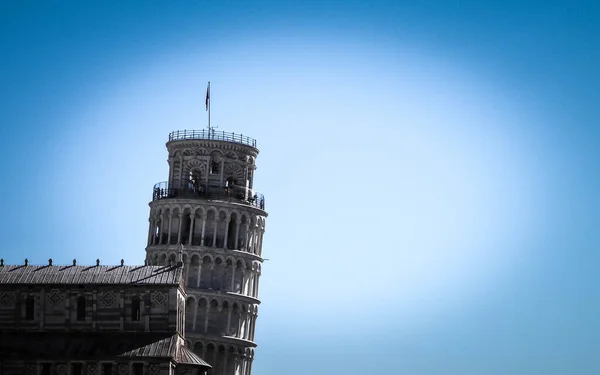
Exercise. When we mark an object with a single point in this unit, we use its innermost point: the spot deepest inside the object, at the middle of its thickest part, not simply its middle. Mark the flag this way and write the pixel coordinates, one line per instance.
(207, 95)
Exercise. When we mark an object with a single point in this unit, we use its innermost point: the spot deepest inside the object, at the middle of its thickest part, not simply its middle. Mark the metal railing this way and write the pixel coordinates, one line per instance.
(211, 134)
(236, 194)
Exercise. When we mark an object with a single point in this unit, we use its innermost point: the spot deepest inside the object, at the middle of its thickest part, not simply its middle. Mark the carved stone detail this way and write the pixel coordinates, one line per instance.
(108, 298)
(92, 369)
(7, 299)
(123, 370)
(55, 297)
(154, 369)
(159, 298)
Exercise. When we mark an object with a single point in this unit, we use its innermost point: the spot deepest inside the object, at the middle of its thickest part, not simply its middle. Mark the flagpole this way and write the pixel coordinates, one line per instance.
(208, 99)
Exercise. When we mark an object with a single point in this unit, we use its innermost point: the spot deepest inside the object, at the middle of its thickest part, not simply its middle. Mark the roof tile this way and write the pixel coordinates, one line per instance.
(109, 275)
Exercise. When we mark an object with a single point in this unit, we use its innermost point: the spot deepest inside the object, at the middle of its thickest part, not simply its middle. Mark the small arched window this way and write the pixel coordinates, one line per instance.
(135, 309)
(29, 308)
(215, 167)
(81, 309)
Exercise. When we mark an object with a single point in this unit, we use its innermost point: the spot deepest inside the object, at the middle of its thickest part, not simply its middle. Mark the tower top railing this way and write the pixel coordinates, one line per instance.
(232, 193)
(211, 135)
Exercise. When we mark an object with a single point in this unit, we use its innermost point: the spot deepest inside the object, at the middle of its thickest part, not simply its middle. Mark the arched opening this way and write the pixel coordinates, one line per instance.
(219, 365)
(205, 273)
(198, 348)
(189, 314)
(217, 275)
(220, 232)
(193, 271)
(213, 317)
(164, 228)
(186, 226)
(197, 228)
(201, 316)
(231, 182)
(210, 228)
(210, 357)
(195, 183)
(238, 278)
(175, 224)
(231, 231)
(234, 323)
(228, 273)
(156, 231)
(243, 234)
(222, 319)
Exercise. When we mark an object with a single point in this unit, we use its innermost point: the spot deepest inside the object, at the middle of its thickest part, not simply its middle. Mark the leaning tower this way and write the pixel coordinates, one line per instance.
(208, 215)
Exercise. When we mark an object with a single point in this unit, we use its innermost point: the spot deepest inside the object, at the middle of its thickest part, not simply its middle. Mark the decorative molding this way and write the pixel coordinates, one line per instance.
(159, 298)
(123, 369)
(55, 297)
(234, 170)
(92, 369)
(108, 298)
(211, 145)
(7, 299)
(154, 369)
(195, 164)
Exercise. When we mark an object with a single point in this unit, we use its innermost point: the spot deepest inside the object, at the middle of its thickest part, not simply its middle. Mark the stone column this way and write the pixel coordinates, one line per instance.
(170, 227)
(203, 228)
(234, 266)
(207, 316)
(179, 228)
(186, 271)
(151, 221)
(192, 224)
(199, 273)
(214, 244)
(161, 229)
(212, 274)
(229, 321)
(256, 284)
(227, 221)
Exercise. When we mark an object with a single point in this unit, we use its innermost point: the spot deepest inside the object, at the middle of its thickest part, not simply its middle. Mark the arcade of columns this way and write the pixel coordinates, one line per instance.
(222, 247)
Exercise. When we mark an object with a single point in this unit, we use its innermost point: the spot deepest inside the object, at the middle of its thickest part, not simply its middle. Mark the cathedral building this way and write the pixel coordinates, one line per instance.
(190, 309)
(94, 320)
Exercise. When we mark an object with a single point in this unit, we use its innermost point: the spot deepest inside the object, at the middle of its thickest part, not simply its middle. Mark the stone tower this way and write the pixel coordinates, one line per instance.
(209, 216)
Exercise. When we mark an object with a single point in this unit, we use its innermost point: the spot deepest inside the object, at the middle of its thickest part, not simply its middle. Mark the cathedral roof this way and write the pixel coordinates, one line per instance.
(107, 275)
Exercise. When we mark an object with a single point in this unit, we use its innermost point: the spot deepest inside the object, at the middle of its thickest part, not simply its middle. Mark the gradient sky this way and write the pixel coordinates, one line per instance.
(430, 167)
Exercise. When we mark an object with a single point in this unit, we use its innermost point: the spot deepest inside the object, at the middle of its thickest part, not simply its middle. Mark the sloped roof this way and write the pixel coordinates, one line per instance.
(188, 357)
(81, 346)
(109, 275)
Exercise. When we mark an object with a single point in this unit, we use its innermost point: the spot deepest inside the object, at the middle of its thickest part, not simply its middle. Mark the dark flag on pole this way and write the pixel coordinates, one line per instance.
(207, 95)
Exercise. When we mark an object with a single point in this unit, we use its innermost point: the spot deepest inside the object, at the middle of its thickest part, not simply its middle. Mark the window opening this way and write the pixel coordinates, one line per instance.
(29, 308)
(81, 309)
(135, 309)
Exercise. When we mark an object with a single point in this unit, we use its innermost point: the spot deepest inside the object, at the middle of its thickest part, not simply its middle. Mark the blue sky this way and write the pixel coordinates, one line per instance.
(430, 167)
